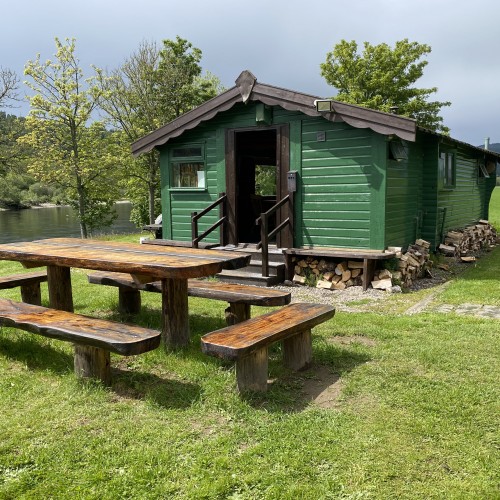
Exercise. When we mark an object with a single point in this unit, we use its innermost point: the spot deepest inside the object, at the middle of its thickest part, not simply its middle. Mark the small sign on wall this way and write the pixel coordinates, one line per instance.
(321, 136)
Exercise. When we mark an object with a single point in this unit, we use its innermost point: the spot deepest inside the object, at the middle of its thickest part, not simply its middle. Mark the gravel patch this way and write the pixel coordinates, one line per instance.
(343, 300)
(354, 299)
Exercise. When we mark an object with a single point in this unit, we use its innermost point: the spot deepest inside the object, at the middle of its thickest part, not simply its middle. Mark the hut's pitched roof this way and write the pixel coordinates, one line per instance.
(247, 89)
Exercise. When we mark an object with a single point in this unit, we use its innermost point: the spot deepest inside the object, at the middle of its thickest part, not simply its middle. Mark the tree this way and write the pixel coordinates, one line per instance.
(181, 86)
(72, 150)
(11, 153)
(152, 87)
(9, 84)
(382, 78)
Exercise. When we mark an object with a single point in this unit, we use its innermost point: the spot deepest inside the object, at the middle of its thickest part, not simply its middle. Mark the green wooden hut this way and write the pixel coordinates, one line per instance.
(362, 180)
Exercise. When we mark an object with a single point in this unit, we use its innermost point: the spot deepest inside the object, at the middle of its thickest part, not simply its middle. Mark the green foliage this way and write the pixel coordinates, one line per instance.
(12, 188)
(311, 278)
(152, 87)
(12, 154)
(70, 149)
(391, 264)
(180, 84)
(265, 180)
(382, 77)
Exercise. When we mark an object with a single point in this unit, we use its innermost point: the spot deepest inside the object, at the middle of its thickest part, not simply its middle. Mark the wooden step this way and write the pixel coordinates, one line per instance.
(247, 278)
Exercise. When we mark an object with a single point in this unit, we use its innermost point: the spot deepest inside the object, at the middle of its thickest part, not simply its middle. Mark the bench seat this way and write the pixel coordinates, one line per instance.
(240, 297)
(99, 336)
(247, 343)
(29, 284)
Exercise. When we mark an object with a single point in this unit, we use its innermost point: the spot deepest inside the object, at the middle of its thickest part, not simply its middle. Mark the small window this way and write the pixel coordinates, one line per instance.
(447, 169)
(187, 152)
(187, 167)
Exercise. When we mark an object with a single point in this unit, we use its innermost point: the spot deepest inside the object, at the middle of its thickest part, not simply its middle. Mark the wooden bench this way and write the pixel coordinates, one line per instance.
(99, 337)
(29, 283)
(247, 342)
(240, 297)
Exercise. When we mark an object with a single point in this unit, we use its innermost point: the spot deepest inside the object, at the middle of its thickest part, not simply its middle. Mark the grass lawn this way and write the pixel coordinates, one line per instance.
(414, 410)
(494, 215)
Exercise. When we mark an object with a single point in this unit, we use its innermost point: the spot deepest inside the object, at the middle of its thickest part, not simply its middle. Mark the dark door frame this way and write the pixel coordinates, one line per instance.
(282, 166)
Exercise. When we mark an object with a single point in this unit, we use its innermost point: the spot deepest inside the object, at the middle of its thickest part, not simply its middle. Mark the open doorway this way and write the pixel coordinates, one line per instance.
(256, 169)
(255, 180)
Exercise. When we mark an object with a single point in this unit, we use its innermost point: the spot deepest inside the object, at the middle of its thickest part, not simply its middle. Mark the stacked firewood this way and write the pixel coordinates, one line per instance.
(470, 240)
(327, 273)
(412, 264)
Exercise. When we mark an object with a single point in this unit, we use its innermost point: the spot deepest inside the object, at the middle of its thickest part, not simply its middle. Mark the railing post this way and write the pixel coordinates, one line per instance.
(222, 214)
(291, 220)
(265, 244)
(194, 230)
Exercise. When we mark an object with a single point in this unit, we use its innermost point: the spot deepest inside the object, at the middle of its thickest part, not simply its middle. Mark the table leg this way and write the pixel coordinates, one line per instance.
(59, 285)
(175, 318)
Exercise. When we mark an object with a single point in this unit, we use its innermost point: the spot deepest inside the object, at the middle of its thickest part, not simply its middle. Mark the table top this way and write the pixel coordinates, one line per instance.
(146, 260)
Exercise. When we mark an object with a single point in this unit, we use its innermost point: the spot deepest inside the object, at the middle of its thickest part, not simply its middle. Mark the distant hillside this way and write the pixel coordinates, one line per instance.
(495, 147)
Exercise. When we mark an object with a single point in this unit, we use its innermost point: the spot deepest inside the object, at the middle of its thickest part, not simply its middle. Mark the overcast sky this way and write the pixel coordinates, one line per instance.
(282, 42)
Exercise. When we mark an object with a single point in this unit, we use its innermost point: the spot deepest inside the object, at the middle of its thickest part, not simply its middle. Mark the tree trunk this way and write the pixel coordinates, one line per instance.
(151, 189)
(81, 210)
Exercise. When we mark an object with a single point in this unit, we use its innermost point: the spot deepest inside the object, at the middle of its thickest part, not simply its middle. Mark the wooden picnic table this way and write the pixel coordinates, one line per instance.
(173, 266)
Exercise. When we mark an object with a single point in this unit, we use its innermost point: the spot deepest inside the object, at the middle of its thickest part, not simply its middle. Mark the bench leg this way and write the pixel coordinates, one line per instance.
(297, 351)
(31, 294)
(237, 313)
(92, 362)
(251, 371)
(129, 301)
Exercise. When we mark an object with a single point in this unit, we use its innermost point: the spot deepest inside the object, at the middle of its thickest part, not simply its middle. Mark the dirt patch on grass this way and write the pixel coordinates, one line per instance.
(353, 339)
(322, 387)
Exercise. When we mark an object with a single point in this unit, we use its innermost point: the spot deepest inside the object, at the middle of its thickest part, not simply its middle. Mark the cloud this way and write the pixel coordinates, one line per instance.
(281, 41)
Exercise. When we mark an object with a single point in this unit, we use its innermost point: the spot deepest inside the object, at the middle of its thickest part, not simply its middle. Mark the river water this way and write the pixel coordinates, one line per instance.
(53, 222)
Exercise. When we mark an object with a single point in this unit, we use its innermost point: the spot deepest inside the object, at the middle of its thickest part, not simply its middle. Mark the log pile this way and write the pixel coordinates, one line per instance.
(470, 240)
(334, 275)
(413, 264)
(327, 273)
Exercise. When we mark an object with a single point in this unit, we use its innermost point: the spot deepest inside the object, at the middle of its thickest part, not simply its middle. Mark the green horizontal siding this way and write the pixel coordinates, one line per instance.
(432, 220)
(337, 185)
(466, 203)
(404, 198)
(463, 202)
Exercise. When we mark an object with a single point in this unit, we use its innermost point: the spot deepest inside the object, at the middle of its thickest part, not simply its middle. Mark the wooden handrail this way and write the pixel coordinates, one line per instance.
(195, 217)
(265, 235)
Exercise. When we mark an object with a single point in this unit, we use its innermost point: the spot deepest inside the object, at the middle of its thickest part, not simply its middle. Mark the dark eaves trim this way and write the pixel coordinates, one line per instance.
(187, 121)
(248, 88)
(449, 140)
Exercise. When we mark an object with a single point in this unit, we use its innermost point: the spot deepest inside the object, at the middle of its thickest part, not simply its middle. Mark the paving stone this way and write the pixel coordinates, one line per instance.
(444, 308)
(468, 309)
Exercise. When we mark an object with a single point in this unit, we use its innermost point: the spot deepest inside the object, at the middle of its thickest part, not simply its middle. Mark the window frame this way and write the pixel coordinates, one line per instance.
(447, 169)
(176, 161)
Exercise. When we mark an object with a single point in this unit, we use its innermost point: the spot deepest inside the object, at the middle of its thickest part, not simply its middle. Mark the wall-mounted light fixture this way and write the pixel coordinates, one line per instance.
(324, 105)
(398, 149)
